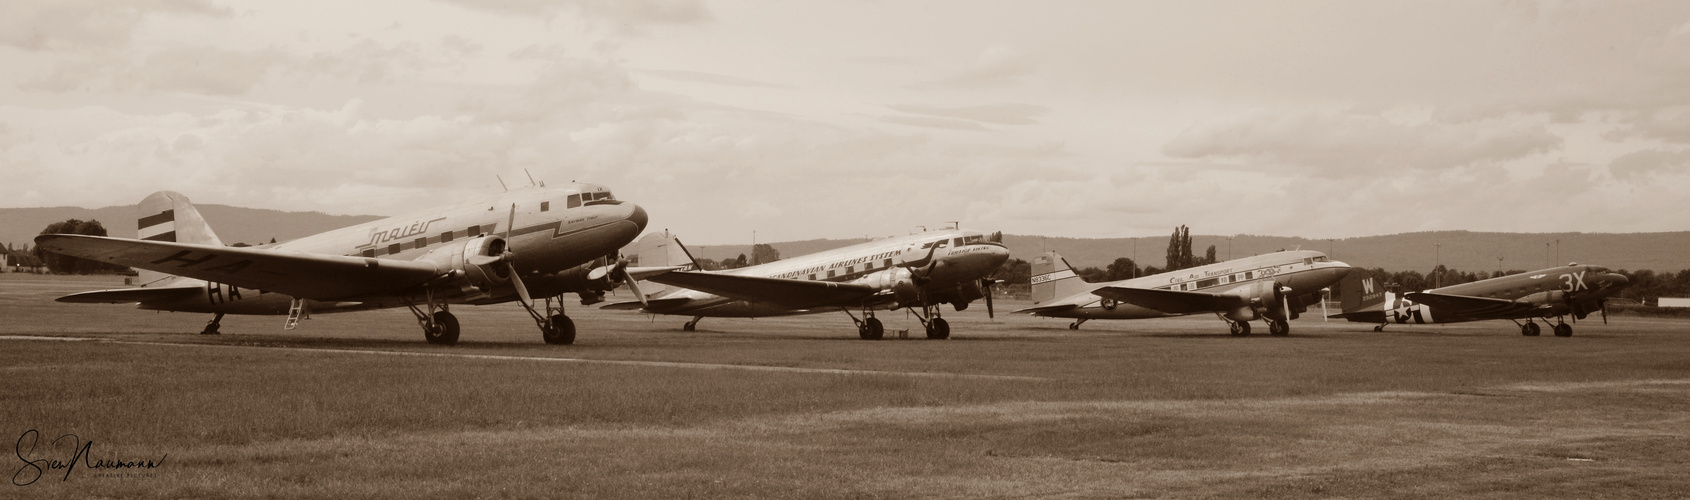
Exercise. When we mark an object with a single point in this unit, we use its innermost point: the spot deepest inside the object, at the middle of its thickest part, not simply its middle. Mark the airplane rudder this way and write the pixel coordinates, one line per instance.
(1052, 277)
(1360, 291)
(170, 216)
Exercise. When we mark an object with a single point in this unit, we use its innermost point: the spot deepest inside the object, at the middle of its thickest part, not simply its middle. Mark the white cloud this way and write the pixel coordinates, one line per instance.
(1359, 144)
(1641, 166)
(62, 25)
(996, 65)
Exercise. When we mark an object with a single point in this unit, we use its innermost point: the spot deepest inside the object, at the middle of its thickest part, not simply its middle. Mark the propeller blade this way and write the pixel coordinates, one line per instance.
(987, 284)
(1285, 299)
(508, 226)
(1604, 305)
(521, 291)
(634, 286)
(1324, 294)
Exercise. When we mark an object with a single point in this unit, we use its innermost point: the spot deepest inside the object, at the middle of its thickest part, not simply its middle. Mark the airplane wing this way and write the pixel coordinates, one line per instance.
(1046, 309)
(133, 295)
(1470, 306)
(650, 305)
(303, 275)
(792, 294)
(1170, 301)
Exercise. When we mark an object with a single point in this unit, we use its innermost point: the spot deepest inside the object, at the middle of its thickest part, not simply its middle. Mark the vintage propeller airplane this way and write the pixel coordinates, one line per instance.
(530, 242)
(920, 271)
(1555, 292)
(1260, 287)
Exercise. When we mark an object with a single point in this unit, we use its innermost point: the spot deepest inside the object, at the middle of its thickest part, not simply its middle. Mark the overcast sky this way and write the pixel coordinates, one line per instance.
(843, 119)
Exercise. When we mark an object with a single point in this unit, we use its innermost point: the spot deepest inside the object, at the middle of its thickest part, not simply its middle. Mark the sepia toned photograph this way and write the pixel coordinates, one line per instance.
(844, 249)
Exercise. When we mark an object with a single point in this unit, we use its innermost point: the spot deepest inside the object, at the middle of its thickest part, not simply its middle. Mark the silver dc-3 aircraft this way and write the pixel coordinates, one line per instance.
(919, 271)
(535, 241)
(1555, 292)
(1262, 287)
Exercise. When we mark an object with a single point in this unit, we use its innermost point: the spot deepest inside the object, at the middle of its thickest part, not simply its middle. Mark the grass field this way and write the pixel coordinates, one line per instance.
(1012, 407)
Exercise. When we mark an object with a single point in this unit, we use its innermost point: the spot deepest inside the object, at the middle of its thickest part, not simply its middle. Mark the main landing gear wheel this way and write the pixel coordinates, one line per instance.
(871, 329)
(442, 330)
(939, 329)
(561, 331)
(1279, 328)
(1240, 329)
(690, 326)
(1530, 329)
(1379, 328)
(1563, 330)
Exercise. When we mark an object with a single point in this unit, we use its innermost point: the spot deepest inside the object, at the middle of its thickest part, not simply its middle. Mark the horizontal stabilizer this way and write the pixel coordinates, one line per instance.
(1170, 301)
(790, 294)
(302, 275)
(134, 295)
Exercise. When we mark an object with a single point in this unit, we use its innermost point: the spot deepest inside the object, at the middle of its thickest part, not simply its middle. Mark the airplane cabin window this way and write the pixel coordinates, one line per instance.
(422, 242)
(370, 252)
(574, 200)
(473, 230)
(446, 236)
(545, 206)
(393, 249)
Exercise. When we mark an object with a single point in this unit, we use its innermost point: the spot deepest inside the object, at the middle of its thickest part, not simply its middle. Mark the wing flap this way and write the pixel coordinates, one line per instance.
(791, 294)
(303, 275)
(1170, 301)
(1469, 306)
(133, 295)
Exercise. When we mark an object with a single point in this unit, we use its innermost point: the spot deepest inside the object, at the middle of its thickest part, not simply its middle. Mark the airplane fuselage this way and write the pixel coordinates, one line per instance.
(556, 229)
(1303, 271)
(948, 260)
(1546, 289)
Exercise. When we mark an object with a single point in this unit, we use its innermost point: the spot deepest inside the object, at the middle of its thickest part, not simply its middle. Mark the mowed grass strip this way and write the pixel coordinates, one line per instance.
(1162, 408)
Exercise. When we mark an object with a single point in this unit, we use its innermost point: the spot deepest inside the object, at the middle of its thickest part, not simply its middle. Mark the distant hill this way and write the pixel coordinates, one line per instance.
(19, 226)
(1462, 250)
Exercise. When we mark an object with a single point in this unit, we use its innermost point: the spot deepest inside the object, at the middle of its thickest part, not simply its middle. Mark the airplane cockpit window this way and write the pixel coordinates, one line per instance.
(973, 238)
(1320, 259)
(574, 200)
(956, 242)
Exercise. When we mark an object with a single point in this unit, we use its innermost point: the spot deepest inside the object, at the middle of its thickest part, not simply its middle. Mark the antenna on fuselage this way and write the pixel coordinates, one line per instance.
(502, 183)
(531, 178)
(955, 224)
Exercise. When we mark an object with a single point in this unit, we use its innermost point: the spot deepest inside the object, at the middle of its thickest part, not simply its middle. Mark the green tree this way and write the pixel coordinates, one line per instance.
(1179, 250)
(762, 253)
(1122, 268)
(65, 264)
(1209, 256)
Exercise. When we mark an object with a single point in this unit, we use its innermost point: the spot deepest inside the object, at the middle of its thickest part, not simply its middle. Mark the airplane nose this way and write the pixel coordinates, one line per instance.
(1617, 280)
(638, 217)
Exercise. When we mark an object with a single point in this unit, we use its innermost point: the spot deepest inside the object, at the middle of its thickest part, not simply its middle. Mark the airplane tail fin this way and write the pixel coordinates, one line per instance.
(169, 216)
(1053, 278)
(662, 250)
(1361, 297)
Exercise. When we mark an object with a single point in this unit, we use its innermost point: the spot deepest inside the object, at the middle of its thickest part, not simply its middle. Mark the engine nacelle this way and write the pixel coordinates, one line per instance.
(1262, 299)
(473, 265)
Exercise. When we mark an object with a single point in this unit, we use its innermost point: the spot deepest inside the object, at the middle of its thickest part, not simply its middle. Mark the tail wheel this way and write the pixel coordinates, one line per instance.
(561, 331)
(442, 330)
(939, 329)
